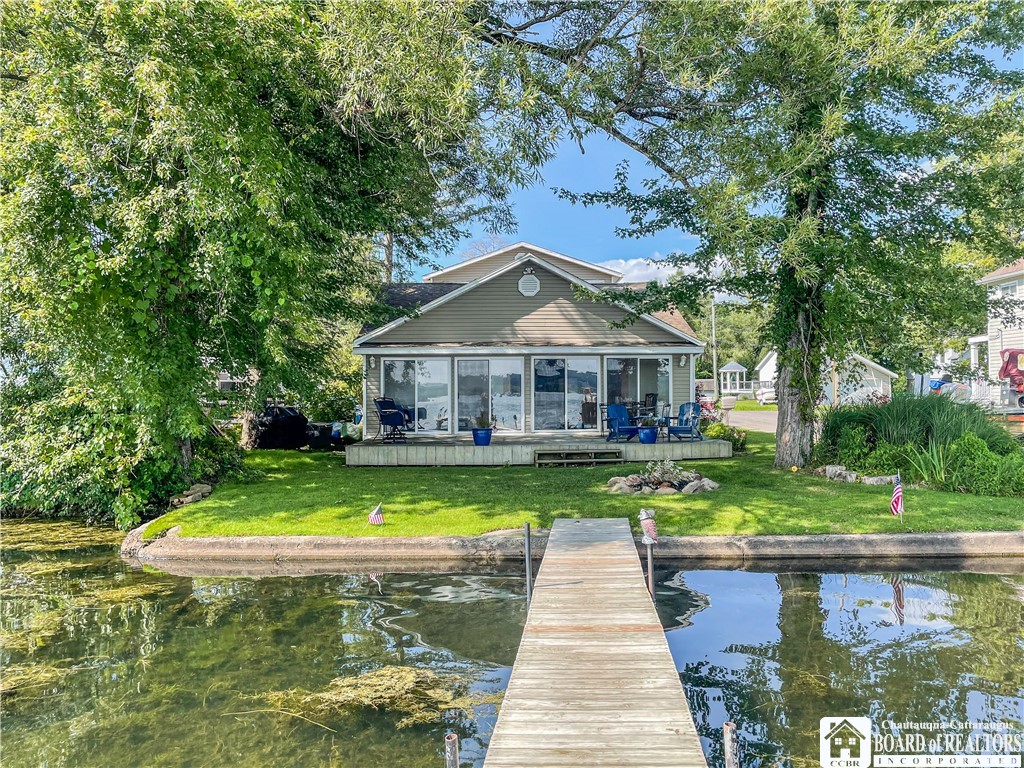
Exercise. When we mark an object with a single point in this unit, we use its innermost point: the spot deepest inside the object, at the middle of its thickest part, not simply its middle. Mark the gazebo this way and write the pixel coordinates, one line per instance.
(732, 378)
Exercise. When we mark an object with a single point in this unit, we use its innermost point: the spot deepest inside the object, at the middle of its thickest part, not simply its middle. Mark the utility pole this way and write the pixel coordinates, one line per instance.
(714, 351)
(389, 257)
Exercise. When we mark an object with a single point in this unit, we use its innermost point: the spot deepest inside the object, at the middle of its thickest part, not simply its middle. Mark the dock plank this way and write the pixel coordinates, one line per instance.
(593, 683)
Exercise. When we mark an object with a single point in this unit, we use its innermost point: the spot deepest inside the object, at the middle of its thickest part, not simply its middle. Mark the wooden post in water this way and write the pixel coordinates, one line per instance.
(451, 750)
(732, 745)
(529, 567)
(650, 570)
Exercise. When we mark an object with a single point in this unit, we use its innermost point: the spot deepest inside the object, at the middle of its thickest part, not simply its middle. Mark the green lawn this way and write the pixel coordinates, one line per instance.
(753, 405)
(315, 493)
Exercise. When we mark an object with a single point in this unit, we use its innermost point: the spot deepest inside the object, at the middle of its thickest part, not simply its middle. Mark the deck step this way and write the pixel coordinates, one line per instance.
(565, 458)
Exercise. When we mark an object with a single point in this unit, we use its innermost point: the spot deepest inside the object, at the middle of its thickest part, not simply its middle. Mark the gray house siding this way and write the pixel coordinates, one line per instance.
(497, 314)
(467, 273)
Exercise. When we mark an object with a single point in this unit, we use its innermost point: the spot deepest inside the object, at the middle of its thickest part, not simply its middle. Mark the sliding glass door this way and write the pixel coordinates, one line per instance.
(493, 387)
(565, 393)
(635, 379)
(422, 389)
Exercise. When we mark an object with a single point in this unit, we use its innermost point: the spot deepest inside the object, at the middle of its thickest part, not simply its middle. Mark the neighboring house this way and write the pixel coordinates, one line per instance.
(855, 380)
(513, 334)
(1005, 283)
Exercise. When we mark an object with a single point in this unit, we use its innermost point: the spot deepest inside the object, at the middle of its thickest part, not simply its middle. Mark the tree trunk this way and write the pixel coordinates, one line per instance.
(185, 447)
(250, 430)
(794, 436)
(800, 360)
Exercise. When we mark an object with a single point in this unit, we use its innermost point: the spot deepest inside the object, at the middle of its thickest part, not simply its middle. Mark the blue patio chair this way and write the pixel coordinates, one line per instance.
(687, 423)
(392, 421)
(620, 425)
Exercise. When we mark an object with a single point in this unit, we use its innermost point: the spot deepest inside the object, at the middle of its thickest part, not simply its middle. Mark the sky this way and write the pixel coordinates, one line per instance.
(546, 220)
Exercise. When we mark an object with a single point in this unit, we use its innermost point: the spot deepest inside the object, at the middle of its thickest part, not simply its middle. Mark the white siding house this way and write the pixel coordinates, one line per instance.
(1000, 334)
(854, 380)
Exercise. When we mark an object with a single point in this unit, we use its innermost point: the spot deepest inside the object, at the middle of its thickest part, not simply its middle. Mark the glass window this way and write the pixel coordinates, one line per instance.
(422, 389)
(507, 394)
(549, 393)
(581, 393)
(634, 379)
(491, 386)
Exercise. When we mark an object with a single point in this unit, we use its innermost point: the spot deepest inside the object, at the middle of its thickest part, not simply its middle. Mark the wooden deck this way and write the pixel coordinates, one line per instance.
(594, 683)
(458, 450)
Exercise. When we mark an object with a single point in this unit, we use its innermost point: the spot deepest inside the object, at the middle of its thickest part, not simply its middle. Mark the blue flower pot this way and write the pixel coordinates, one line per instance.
(482, 436)
(648, 435)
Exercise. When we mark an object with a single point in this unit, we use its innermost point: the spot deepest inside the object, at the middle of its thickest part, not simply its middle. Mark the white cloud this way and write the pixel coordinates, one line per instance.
(640, 270)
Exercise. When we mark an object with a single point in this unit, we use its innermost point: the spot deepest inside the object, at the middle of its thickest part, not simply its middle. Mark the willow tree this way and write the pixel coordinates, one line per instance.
(827, 154)
(193, 186)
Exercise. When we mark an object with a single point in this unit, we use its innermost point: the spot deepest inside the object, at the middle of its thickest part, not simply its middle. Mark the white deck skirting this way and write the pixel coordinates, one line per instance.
(449, 450)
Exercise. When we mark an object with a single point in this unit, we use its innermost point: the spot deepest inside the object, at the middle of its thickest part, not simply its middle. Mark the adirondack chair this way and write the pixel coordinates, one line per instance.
(687, 423)
(619, 424)
(392, 421)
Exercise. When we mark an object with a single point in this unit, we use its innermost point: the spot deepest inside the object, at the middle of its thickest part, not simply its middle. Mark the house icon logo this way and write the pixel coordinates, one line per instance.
(845, 742)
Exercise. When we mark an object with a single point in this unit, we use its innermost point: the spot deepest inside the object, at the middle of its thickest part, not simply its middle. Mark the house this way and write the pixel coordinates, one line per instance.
(513, 335)
(844, 741)
(1001, 334)
(732, 379)
(856, 379)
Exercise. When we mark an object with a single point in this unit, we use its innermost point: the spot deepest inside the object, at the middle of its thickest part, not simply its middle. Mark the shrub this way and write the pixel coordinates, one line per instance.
(888, 459)
(853, 448)
(974, 468)
(719, 431)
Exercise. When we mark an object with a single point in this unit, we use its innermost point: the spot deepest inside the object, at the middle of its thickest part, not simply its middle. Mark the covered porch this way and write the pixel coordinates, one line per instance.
(521, 449)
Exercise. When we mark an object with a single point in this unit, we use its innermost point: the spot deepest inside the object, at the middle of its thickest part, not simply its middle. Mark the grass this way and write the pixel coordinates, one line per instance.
(753, 405)
(316, 494)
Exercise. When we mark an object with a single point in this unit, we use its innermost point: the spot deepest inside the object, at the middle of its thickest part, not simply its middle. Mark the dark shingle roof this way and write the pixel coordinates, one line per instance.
(406, 296)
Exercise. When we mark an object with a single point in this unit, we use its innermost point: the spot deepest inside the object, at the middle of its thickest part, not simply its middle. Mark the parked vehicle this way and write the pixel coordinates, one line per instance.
(1012, 371)
(766, 394)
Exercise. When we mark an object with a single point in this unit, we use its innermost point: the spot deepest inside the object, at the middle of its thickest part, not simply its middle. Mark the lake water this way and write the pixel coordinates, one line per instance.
(106, 666)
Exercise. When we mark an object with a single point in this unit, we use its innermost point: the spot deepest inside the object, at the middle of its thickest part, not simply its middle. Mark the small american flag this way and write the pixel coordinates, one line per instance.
(897, 598)
(896, 505)
(377, 516)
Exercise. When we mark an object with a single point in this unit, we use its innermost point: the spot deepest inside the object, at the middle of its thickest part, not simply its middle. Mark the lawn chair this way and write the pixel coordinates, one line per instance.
(620, 424)
(650, 405)
(392, 420)
(687, 423)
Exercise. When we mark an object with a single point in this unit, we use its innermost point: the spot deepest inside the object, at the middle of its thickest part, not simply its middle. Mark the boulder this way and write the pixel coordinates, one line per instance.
(818, 471)
(707, 484)
(845, 477)
(615, 481)
(692, 487)
(635, 480)
(832, 470)
(879, 480)
(666, 491)
(203, 488)
(646, 489)
(621, 488)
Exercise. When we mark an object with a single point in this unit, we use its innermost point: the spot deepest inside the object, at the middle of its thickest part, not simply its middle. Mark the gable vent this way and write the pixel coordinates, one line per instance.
(529, 283)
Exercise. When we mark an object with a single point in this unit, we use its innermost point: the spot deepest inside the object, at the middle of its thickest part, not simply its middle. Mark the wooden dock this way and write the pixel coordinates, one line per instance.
(594, 683)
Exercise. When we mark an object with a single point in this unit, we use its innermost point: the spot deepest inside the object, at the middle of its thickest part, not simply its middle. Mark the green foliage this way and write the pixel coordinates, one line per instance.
(333, 401)
(853, 448)
(974, 468)
(946, 445)
(841, 163)
(189, 187)
(719, 431)
(888, 459)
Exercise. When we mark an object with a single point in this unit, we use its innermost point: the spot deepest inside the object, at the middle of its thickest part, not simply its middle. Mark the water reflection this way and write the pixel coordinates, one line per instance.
(105, 666)
(776, 652)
